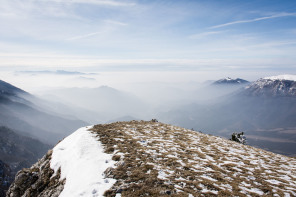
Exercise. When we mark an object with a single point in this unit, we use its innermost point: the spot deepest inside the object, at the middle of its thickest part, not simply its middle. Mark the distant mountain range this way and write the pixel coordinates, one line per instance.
(231, 81)
(264, 109)
(278, 86)
(57, 72)
(212, 90)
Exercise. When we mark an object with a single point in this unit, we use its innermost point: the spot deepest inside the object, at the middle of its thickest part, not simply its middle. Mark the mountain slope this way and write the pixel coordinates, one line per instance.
(17, 152)
(213, 90)
(19, 112)
(9, 90)
(156, 159)
(6, 177)
(276, 86)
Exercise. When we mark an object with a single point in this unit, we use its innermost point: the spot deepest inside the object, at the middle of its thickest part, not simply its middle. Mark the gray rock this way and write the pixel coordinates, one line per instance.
(39, 180)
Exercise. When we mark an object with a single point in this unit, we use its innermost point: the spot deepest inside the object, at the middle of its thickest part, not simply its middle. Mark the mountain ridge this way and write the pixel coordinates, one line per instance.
(276, 86)
(156, 159)
(230, 81)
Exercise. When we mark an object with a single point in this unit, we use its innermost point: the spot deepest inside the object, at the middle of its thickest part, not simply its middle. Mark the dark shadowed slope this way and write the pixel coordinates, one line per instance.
(6, 178)
(17, 111)
(17, 152)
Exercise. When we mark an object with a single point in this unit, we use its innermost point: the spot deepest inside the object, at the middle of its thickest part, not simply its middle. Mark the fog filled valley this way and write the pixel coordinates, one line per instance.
(264, 109)
(265, 112)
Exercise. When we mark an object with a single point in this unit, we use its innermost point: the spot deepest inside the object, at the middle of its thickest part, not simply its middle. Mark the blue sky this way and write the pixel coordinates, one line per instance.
(164, 35)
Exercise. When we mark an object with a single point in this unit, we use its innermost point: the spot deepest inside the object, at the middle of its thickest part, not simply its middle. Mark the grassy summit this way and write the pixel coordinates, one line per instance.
(156, 159)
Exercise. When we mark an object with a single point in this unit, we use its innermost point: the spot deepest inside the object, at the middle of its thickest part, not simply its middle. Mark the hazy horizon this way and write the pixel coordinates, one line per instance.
(144, 41)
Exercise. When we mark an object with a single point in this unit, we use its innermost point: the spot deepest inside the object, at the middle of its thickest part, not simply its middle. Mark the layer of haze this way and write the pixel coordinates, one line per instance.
(113, 95)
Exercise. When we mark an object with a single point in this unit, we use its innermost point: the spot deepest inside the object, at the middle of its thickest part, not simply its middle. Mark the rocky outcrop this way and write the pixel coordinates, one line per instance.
(39, 180)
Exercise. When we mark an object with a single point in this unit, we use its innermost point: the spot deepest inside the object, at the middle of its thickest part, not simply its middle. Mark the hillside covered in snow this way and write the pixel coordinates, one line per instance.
(148, 158)
(275, 86)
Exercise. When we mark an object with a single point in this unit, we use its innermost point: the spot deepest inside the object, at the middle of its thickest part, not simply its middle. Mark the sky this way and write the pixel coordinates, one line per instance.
(211, 38)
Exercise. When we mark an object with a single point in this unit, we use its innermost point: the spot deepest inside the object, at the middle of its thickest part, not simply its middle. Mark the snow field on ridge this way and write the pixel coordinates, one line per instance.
(82, 161)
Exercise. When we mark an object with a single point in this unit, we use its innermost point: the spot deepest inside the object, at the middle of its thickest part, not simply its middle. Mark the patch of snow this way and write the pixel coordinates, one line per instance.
(161, 174)
(205, 190)
(276, 182)
(287, 195)
(229, 187)
(253, 190)
(251, 178)
(209, 158)
(207, 169)
(82, 161)
(207, 177)
(282, 77)
(246, 184)
(229, 162)
(268, 171)
(294, 194)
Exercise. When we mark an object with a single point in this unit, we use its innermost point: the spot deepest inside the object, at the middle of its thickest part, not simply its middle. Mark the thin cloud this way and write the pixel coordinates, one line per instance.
(115, 22)
(204, 34)
(253, 20)
(84, 36)
(96, 2)
(110, 22)
(274, 44)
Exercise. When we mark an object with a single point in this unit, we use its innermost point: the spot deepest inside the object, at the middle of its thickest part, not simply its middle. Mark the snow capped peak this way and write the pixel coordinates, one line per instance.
(231, 81)
(282, 77)
(281, 85)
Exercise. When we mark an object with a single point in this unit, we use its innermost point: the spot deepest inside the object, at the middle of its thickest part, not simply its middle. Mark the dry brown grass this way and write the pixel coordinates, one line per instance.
(155, 159)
